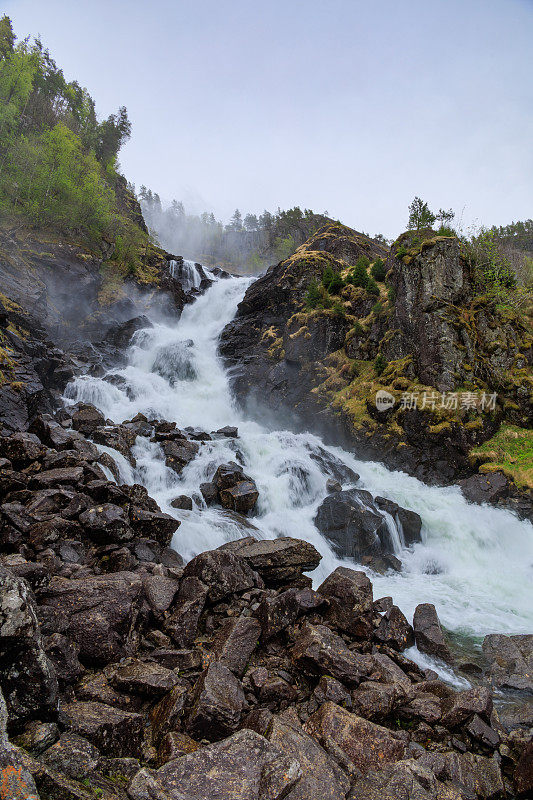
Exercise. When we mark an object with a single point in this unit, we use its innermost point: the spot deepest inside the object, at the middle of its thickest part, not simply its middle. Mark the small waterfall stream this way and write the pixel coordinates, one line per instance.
(475, 563)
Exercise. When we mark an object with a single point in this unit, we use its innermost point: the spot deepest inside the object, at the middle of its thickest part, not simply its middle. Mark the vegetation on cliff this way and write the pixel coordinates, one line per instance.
(58, 162)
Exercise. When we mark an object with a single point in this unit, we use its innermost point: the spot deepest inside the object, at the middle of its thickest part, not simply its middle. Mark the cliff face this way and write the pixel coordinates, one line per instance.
(454, 363)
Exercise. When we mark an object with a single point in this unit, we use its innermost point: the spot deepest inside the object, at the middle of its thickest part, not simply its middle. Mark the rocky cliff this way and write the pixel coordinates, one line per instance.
(455, 365)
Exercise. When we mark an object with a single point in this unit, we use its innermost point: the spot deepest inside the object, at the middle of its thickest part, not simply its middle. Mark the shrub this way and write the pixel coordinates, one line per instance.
(359, 276)
(338, 309)
(336, 284)
(372, 287)
(363, 261)
(378, 269)
(313, 296)
(446, 230)
(377, 308)
(327, 276)
(401, 251)
(380, 363)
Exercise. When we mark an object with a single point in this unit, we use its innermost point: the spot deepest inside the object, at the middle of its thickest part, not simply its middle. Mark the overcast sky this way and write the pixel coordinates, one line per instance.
(348, 106)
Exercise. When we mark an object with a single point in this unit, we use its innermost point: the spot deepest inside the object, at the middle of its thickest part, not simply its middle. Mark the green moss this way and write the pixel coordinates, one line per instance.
(511, 451)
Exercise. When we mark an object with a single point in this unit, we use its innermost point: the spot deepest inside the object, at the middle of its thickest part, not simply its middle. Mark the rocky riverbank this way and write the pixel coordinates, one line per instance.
(127, 674)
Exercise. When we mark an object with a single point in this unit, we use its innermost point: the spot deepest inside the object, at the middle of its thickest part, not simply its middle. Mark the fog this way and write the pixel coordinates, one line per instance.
(346, 106)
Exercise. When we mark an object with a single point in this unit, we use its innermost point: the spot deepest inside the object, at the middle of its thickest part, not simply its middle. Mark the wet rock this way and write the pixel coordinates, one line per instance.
(217, 705)
(166, 715)
(367, 745)
(479, 730)
(106, 523)
(349, 593)
(223, 573)
(523, 774)
(67, 476)
(228, 475)
(485, 488)
(155, 525)
(241, 498)
(86, 418)
(406, 779)
(21, 449)
(476, 774)
(409, 522)
(276, 560)
(144, 678)
(352, 524)
(120, 335)
(228, 431)
(209, 492)
(17, 782)
(179, 453)
(101, 613)
(63, 654)
(235, 642)
(276, 613)
(373, 700)
(119, 437)
(333, 486)
(428, 633)
(173, 745)
(318, 650)
(72, 755)
(394, 630)
(511, 661)
(114, 732)
(160, 592)
(27, 676)
(243, 767)
(182, 623)
(183, 501)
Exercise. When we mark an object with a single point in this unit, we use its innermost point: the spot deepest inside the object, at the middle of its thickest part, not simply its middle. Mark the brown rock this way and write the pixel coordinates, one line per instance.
(428, 633)
(166, 715)
(276, 560)
(235, 642)
(146, 678)
(459, 707)
(218, 703)
(223, 573)
(276, 613)
(114, 732)
(182, 624)
(394, 630)
(349, 593)
(318, 650)
(241, 498)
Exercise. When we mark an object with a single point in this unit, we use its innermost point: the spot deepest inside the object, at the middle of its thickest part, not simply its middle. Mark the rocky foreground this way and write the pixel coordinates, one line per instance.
(127, 674)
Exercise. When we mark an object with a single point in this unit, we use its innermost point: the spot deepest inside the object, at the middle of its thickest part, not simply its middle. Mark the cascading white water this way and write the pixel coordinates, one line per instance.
(186, 272)
(475, 564)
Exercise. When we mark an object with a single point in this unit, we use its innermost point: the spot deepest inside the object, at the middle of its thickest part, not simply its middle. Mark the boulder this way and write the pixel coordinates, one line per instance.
(114, 732)
(241, 498)
(179, 453)
(17, 782)
(276, 560)
(182, 501)
(511, 661)
(228, 475)
(106, 523)
(523, 774)
(409, 522)
(153, 525)
(234, 643)
(166, 715)
(217, 704)
(353, 525)
(460, 707)
(243, 767)
(209, 492)
(86, 418)
(182, 622)
(278, 612)
(406, 779)
(228, 431)
(144, 678)
(318, 650)
(63, 476)
(394, 630)
(366, 745)
(223, 573)
(160, 592)
(349, 593)
(373, 700)
(487, 488)
(100, 613)
(27, 676)
(429, 637)
(476, 774)
(72, 755)
(21, 449)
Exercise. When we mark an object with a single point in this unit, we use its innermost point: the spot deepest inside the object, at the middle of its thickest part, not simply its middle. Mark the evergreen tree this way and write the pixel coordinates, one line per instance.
(419, 215)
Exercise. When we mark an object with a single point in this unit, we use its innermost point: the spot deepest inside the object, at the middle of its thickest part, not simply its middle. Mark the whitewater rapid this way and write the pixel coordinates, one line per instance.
(475, 563)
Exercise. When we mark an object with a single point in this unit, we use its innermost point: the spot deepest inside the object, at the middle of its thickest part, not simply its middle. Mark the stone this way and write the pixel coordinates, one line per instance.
(479, 730)
(38, 736)
(241, 497)
(72, 755)
(21, 449)
(223, 573)
(179, 453)
(487, 488)
(228, 475)
(460, 707)
(276, 560)
(209, 492)
(27, 676)
(228, 431)
(353, 525)
(429, 637)
(144, 678)
(244, 766)
(477, 774)
(329, 688)
(182, 622)
(321, 777)
(166, 715)
(349, 593)
(153, 525)
(394, 630)
(409, 522)
(319, 650)
(101, 613)
(367, 745)
(106, 523)
(511, 661)
(66, 476)
(373, 700)
(234, 643)
(160, 592)
(182, 501)
(114, 732)
(86, 418)
(16, 781)
(278, 612)
(405, 779)
(217, 705)
(523, 774)
(173, 745)
(63, 654)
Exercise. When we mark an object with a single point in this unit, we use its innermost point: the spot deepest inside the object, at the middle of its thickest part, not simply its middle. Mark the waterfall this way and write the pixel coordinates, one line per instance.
(475, 563)
(186, 272)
